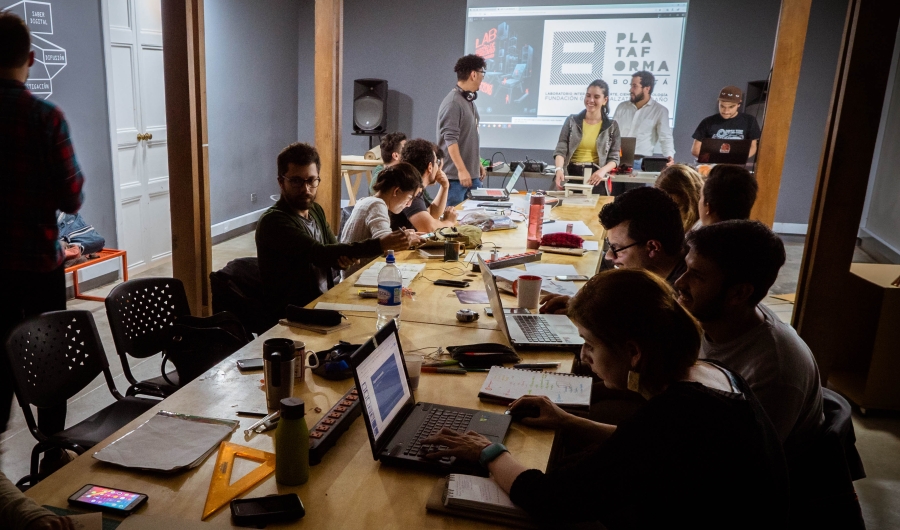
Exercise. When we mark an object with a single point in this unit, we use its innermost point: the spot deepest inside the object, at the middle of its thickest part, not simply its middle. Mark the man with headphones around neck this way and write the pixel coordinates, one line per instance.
(457, 130)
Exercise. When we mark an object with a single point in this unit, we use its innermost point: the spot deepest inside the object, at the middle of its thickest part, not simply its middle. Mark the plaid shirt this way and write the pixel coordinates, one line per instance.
(38, 174)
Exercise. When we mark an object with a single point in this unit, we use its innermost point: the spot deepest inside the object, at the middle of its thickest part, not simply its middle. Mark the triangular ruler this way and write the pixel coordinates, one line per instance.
(221, 490)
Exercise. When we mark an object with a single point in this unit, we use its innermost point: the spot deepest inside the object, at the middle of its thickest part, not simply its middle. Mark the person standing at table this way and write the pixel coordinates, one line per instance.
(645, 119)
(296, 248)
(589, 137)
(729, 123)
(40, 175)
(457, 129)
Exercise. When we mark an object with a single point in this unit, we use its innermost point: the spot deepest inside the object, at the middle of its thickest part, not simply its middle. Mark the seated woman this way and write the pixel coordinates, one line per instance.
(589, 137)
(700, 454)
(394, 190)
(684, 185)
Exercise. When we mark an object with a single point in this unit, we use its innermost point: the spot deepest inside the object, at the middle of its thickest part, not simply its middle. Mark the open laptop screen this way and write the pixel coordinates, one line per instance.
(382, 385)
(511, 186)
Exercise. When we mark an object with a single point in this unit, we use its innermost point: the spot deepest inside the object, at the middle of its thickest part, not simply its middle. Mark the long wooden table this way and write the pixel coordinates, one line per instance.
(348, 489)
(438, 305)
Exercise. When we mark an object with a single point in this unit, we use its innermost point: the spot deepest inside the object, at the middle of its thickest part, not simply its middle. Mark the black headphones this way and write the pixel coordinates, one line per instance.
(470, 96)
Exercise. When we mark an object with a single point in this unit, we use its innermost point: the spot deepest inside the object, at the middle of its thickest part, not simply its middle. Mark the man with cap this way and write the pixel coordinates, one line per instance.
(728, 123)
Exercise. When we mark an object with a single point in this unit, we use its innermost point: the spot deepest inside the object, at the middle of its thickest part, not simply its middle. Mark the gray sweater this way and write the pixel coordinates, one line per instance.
(457, 123)
(609, 142)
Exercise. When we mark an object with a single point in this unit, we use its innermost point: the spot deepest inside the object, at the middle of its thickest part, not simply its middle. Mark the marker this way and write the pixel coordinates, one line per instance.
(536, 366)
(446, 362)
(436, 370)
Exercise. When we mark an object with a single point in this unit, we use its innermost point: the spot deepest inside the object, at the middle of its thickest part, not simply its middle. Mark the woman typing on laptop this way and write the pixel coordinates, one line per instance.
(701, 453)
(589, 137)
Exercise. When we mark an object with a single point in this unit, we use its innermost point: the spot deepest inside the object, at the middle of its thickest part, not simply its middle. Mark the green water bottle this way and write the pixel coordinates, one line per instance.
(292, 444)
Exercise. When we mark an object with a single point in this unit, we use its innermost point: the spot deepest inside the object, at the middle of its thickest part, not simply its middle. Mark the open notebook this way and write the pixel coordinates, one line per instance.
(505, 385)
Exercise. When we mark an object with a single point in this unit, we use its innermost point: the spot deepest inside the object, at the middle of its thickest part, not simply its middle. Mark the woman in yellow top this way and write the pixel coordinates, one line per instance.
(589, 137)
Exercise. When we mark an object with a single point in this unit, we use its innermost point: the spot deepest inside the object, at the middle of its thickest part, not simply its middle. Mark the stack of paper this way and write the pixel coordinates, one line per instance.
(369, 277)
(168, 442)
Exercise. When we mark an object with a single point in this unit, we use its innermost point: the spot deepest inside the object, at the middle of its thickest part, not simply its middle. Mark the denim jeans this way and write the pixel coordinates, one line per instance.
(457, 193)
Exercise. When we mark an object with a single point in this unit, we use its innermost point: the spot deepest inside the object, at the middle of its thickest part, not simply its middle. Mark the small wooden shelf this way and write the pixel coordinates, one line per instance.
(104, 255)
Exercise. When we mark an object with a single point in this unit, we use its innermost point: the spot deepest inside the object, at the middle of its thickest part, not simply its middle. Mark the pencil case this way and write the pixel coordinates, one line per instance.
(483, 355)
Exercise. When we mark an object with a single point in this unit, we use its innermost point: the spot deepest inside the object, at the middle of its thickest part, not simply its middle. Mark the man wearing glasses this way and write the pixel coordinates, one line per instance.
(644, 231)
(457, 130)
(298, 253)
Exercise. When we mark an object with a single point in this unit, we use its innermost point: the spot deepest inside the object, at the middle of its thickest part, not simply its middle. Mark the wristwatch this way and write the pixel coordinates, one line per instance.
(489, 453)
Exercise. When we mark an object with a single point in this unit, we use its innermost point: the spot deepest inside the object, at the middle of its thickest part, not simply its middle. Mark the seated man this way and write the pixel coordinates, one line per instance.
(391, 144)
(729, 123)
(296, 248)
(644, 231)
(425, 214)
(730, 268)
(728, 193)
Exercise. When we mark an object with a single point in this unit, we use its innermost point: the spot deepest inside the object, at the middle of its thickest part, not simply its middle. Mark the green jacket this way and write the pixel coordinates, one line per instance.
(289, 255)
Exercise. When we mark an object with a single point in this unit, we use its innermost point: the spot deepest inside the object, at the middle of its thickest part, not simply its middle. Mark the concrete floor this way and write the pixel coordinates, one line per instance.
(878, 435)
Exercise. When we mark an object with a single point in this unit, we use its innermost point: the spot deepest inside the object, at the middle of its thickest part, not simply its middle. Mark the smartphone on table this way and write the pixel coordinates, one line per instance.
(110, 500)
(246, 365)
(572, 278)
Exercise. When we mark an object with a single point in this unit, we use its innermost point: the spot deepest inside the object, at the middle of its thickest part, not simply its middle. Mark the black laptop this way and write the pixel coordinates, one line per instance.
(396, 424)
(721, 151)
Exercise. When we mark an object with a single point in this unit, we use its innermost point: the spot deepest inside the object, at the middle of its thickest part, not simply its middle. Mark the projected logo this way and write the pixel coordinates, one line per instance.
(577, 57)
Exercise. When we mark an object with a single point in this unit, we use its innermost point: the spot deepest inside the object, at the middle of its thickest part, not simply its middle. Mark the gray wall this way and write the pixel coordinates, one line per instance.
(804, 149)
(80, 91)
(251, 77)
(726, 42)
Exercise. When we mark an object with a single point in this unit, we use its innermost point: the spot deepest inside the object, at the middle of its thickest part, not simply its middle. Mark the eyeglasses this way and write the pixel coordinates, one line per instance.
(615, 251)
(298, 183)
(482, 72)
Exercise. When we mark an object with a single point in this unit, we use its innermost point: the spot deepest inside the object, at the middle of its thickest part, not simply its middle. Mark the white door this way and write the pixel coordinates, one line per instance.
(136, 58)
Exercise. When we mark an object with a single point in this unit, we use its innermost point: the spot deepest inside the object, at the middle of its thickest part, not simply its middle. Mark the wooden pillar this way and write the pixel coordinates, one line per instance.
(328, 65)
(786, 63)
(821, 311)
(184, 66)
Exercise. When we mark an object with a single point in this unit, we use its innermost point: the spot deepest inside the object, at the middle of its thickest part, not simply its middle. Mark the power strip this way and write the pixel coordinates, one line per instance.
(508, 261)
(324, 434)
(531, 166)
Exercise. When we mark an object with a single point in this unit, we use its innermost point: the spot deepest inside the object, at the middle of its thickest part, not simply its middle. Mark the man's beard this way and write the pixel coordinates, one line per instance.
(298, 203)
(638, 98)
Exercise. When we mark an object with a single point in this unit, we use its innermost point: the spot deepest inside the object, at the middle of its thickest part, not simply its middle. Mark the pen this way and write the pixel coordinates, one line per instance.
(251, 413)
(478, 369)
(445, 362)
(436, 370)
(536, 365)
(272, 416)
(548, 221)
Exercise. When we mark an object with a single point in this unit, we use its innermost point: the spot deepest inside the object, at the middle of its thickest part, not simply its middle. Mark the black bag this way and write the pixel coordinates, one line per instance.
(333, 364)
(199, 343)
(487, 354)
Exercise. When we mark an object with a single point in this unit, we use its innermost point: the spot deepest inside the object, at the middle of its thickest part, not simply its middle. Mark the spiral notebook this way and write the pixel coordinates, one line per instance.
(505, 385)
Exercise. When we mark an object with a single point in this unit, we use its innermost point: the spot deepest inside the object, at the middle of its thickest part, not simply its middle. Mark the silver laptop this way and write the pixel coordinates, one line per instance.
(529, 331)
(498, 194)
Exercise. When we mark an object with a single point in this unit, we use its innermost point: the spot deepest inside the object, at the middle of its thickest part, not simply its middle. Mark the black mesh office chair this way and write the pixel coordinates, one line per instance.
(140, 313)
(54, 356)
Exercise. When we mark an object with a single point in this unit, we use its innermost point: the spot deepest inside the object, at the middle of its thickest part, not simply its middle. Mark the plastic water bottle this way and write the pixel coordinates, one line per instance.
(390, 287)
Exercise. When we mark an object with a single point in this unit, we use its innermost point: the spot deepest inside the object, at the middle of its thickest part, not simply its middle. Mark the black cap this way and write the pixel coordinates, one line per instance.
(292, 408)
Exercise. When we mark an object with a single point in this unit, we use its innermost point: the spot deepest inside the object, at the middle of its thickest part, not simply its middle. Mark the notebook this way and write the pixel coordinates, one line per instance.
(397, 424)
(480, 494)
(435, 504)
(505, 385)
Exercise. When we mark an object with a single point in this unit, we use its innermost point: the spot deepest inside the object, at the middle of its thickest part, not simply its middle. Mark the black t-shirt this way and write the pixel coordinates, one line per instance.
(692, 457)
(420, 203)
(741, 127)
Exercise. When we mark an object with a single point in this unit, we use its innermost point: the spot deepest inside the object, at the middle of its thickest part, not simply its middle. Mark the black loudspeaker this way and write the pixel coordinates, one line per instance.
(370, 106)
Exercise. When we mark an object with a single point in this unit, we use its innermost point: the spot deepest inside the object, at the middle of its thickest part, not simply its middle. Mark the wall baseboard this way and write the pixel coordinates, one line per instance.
(877, 248)
(790, 228)
(93, 283)
(234, 227)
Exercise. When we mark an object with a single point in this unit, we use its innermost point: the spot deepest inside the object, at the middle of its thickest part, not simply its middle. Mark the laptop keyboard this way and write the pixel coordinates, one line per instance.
(536, 329)
(437, 419)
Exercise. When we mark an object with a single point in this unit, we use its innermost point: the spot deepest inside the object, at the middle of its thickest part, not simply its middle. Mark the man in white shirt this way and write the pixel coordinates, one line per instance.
(645, 119)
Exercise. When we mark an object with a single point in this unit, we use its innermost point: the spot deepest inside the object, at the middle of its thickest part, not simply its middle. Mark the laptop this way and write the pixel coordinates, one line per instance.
(397, 424)
(720, 151)
(626, 159)
(530, 331)
(498, 194)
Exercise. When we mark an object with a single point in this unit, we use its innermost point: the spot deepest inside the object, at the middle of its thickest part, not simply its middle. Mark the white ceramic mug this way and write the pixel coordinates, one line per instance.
(527, 289)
